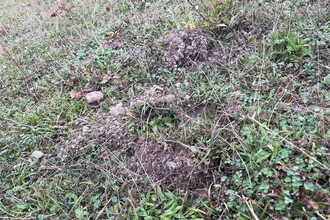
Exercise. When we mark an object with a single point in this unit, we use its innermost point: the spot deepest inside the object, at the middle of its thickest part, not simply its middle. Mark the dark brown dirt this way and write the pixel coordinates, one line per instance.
(190, 47)
(165, 166)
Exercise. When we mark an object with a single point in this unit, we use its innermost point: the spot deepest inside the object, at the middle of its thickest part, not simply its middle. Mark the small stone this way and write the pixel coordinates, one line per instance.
(37, 154)
(172, 165)
(118, 110)
(156, 87)
(178, 85)
(94, 97)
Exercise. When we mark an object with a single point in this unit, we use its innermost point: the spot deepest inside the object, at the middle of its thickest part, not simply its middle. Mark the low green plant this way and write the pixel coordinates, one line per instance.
(166, 205)
(286, 46)
(218, 13)
(260, 126)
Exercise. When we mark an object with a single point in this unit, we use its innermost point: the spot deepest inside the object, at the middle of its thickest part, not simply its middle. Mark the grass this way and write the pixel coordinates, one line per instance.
(260, 122)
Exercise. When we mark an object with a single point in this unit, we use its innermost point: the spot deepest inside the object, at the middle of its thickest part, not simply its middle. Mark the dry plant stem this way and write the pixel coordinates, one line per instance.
(278, 19)
(153, 184)
(56, 204)
(106, 205)
(289, 142)
(132, 203)
(8, 214)
(280, 99)
(76, 202)
(321, 216)
(192, 148)
(10, 57)
(249, 205)
(209, 195)
(247, 170)
(200, 14)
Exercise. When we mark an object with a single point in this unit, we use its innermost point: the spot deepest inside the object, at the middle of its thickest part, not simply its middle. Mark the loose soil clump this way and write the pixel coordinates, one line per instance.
(186, 48)
(163, 165)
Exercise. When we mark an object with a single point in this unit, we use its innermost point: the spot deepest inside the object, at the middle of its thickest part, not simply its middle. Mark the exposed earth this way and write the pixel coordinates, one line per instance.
(168, 163)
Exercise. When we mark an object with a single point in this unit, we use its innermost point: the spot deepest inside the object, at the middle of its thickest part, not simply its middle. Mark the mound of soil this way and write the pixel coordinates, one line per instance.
(186, 48)
(190, 47)
(166, 166)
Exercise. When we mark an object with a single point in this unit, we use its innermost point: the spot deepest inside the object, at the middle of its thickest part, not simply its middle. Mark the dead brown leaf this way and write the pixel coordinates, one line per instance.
(69, 8)
(4, 30)
(62, 6)
(104, 155)
(106, 78)
(73, 94)
(233, 87)
(76, 95)
(118, 82)
(92, 105)
(79, 95)
(327, 120)
(89, 89)
(69, 82)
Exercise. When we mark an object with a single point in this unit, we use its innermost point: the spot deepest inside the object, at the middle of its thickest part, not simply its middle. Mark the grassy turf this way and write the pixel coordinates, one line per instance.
(266, 127)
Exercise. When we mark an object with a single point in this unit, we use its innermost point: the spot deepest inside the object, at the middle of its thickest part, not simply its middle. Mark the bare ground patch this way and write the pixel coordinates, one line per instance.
(173, 167)
(189, 47)
(171, 163)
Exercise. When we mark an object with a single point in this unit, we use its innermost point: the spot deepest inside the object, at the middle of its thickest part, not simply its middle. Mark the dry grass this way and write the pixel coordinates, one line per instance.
(229, 120)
